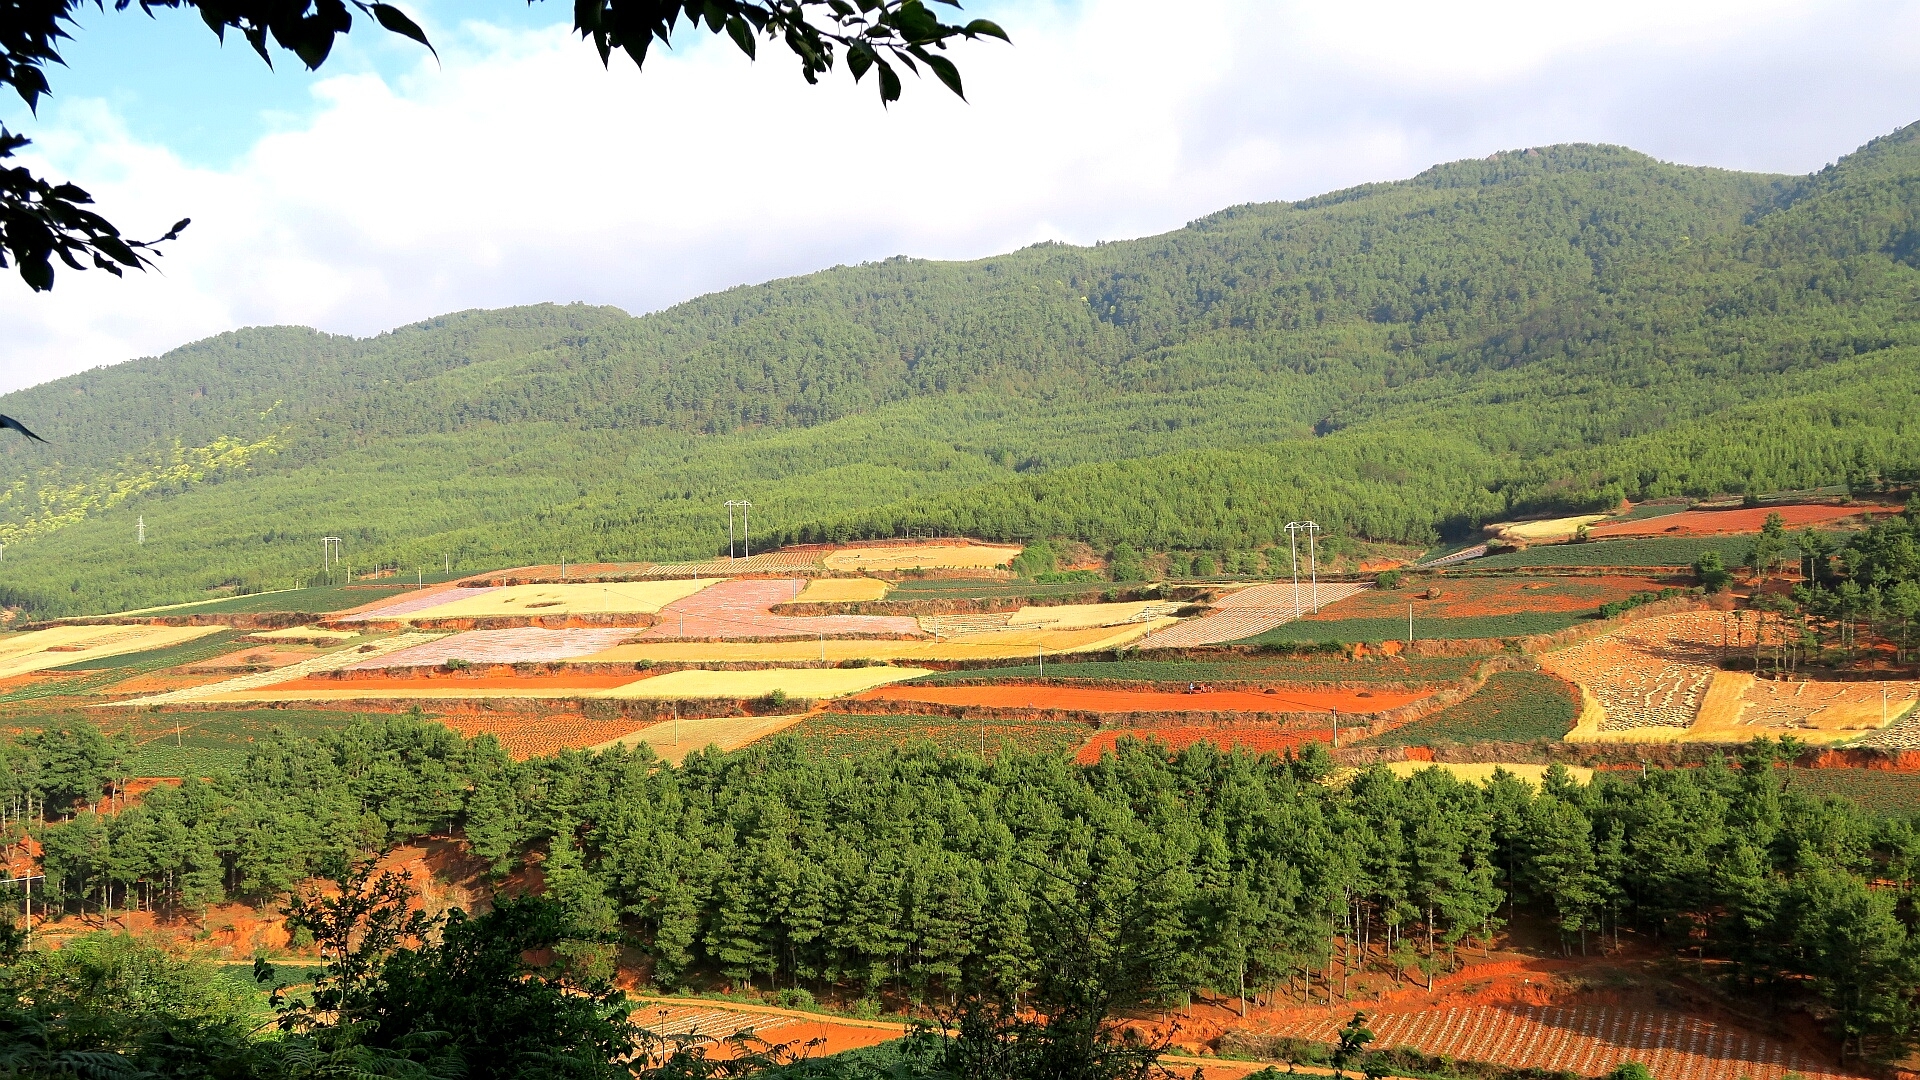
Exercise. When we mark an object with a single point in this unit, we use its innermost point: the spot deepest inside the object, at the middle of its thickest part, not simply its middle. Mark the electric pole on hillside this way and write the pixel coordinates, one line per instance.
(1294, 529)
(329, 554)
(745, 539)
(140, 529)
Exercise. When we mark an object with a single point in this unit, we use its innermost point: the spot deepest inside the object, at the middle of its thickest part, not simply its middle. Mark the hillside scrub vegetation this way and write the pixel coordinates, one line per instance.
(1548, 330)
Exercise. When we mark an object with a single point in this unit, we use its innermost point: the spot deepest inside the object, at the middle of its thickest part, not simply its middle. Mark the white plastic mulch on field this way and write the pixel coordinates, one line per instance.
(1248, 612)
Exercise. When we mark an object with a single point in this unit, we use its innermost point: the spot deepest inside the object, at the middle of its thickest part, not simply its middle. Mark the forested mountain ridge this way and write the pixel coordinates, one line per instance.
(1542, 328)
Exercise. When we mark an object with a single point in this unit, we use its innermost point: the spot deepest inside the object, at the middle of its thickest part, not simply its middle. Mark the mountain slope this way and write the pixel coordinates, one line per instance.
(1545, 328)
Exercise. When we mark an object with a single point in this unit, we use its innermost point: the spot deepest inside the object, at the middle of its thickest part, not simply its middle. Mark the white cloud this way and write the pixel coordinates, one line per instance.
(523, 172)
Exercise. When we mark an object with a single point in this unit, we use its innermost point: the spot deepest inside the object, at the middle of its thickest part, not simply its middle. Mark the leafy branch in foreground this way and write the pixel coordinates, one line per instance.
(40, 220)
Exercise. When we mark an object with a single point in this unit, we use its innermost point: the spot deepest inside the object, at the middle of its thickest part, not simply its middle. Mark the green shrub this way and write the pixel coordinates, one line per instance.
(454, 663)
(794, 998)
(1035, 560)
(1387, 579)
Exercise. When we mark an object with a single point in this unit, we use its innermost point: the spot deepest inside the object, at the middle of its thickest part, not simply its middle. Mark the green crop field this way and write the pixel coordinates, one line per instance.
(1419, 671)
(1514, 706)
(199, 743)
(96, 676)
(1477, 626)
(1652, 551)
(133, 663)
(848, 734)
(1880, 791)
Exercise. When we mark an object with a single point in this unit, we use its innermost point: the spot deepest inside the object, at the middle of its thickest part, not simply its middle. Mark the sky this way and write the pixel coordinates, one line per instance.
(388, 188)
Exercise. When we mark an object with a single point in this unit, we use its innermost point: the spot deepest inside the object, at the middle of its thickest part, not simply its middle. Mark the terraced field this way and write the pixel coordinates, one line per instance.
(1513, 706)
(1523, 624)
(1249, 613)
(738, 609)
(1660, 551)
(1415, 671)
(1082, 699)
(1587, 1040)
(848, 734)
(515, 645)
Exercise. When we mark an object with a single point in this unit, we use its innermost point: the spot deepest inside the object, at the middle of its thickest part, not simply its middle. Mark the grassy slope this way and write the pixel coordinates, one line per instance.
(1549, 329)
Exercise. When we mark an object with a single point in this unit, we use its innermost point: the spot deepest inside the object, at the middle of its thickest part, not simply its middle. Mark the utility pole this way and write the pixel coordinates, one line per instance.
(1294, 529)
(1409, 624)
(140, 528)
(745, 539)
(330, 554)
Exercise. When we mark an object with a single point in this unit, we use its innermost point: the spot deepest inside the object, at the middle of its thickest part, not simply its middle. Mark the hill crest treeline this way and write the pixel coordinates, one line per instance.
(1553, 328)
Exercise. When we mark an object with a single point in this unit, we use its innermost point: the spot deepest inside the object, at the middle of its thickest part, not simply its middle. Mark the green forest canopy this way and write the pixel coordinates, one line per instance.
(924, 875)
(1553, 328)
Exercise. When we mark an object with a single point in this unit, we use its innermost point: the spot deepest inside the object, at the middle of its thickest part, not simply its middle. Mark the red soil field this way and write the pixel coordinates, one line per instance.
(1082, 700)
(1463, 597)
(371, 687)
(1256, 740)
(812, 1035)
(1718, 522)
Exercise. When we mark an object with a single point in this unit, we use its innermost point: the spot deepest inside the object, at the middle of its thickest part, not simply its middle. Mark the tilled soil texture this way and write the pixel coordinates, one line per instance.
(1469, 597)
(710, 1024)
(850, 734)
(1721, 522)
(1877, 791)
(1080, 699)
(1587, 1040)
(524, 736)
(738, 609)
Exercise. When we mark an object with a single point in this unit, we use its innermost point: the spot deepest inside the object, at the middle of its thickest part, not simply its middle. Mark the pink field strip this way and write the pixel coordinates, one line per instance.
(1588, 1041)
(738, 609)
(519, 645)
(417, 601)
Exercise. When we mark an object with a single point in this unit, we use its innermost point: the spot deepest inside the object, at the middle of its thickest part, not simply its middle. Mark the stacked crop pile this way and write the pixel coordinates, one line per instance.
(1651, 674)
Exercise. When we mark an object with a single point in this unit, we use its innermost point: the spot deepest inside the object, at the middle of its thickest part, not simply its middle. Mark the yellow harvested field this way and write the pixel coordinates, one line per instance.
(58, 646)
(1002, 645)
(923, 557)
(842, 590)
(1081, 616)
(1024, 642)
(675, 739)
(1480, 772)
(794, 682)
(623, 597)
(302, 633)
(1551, 529)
